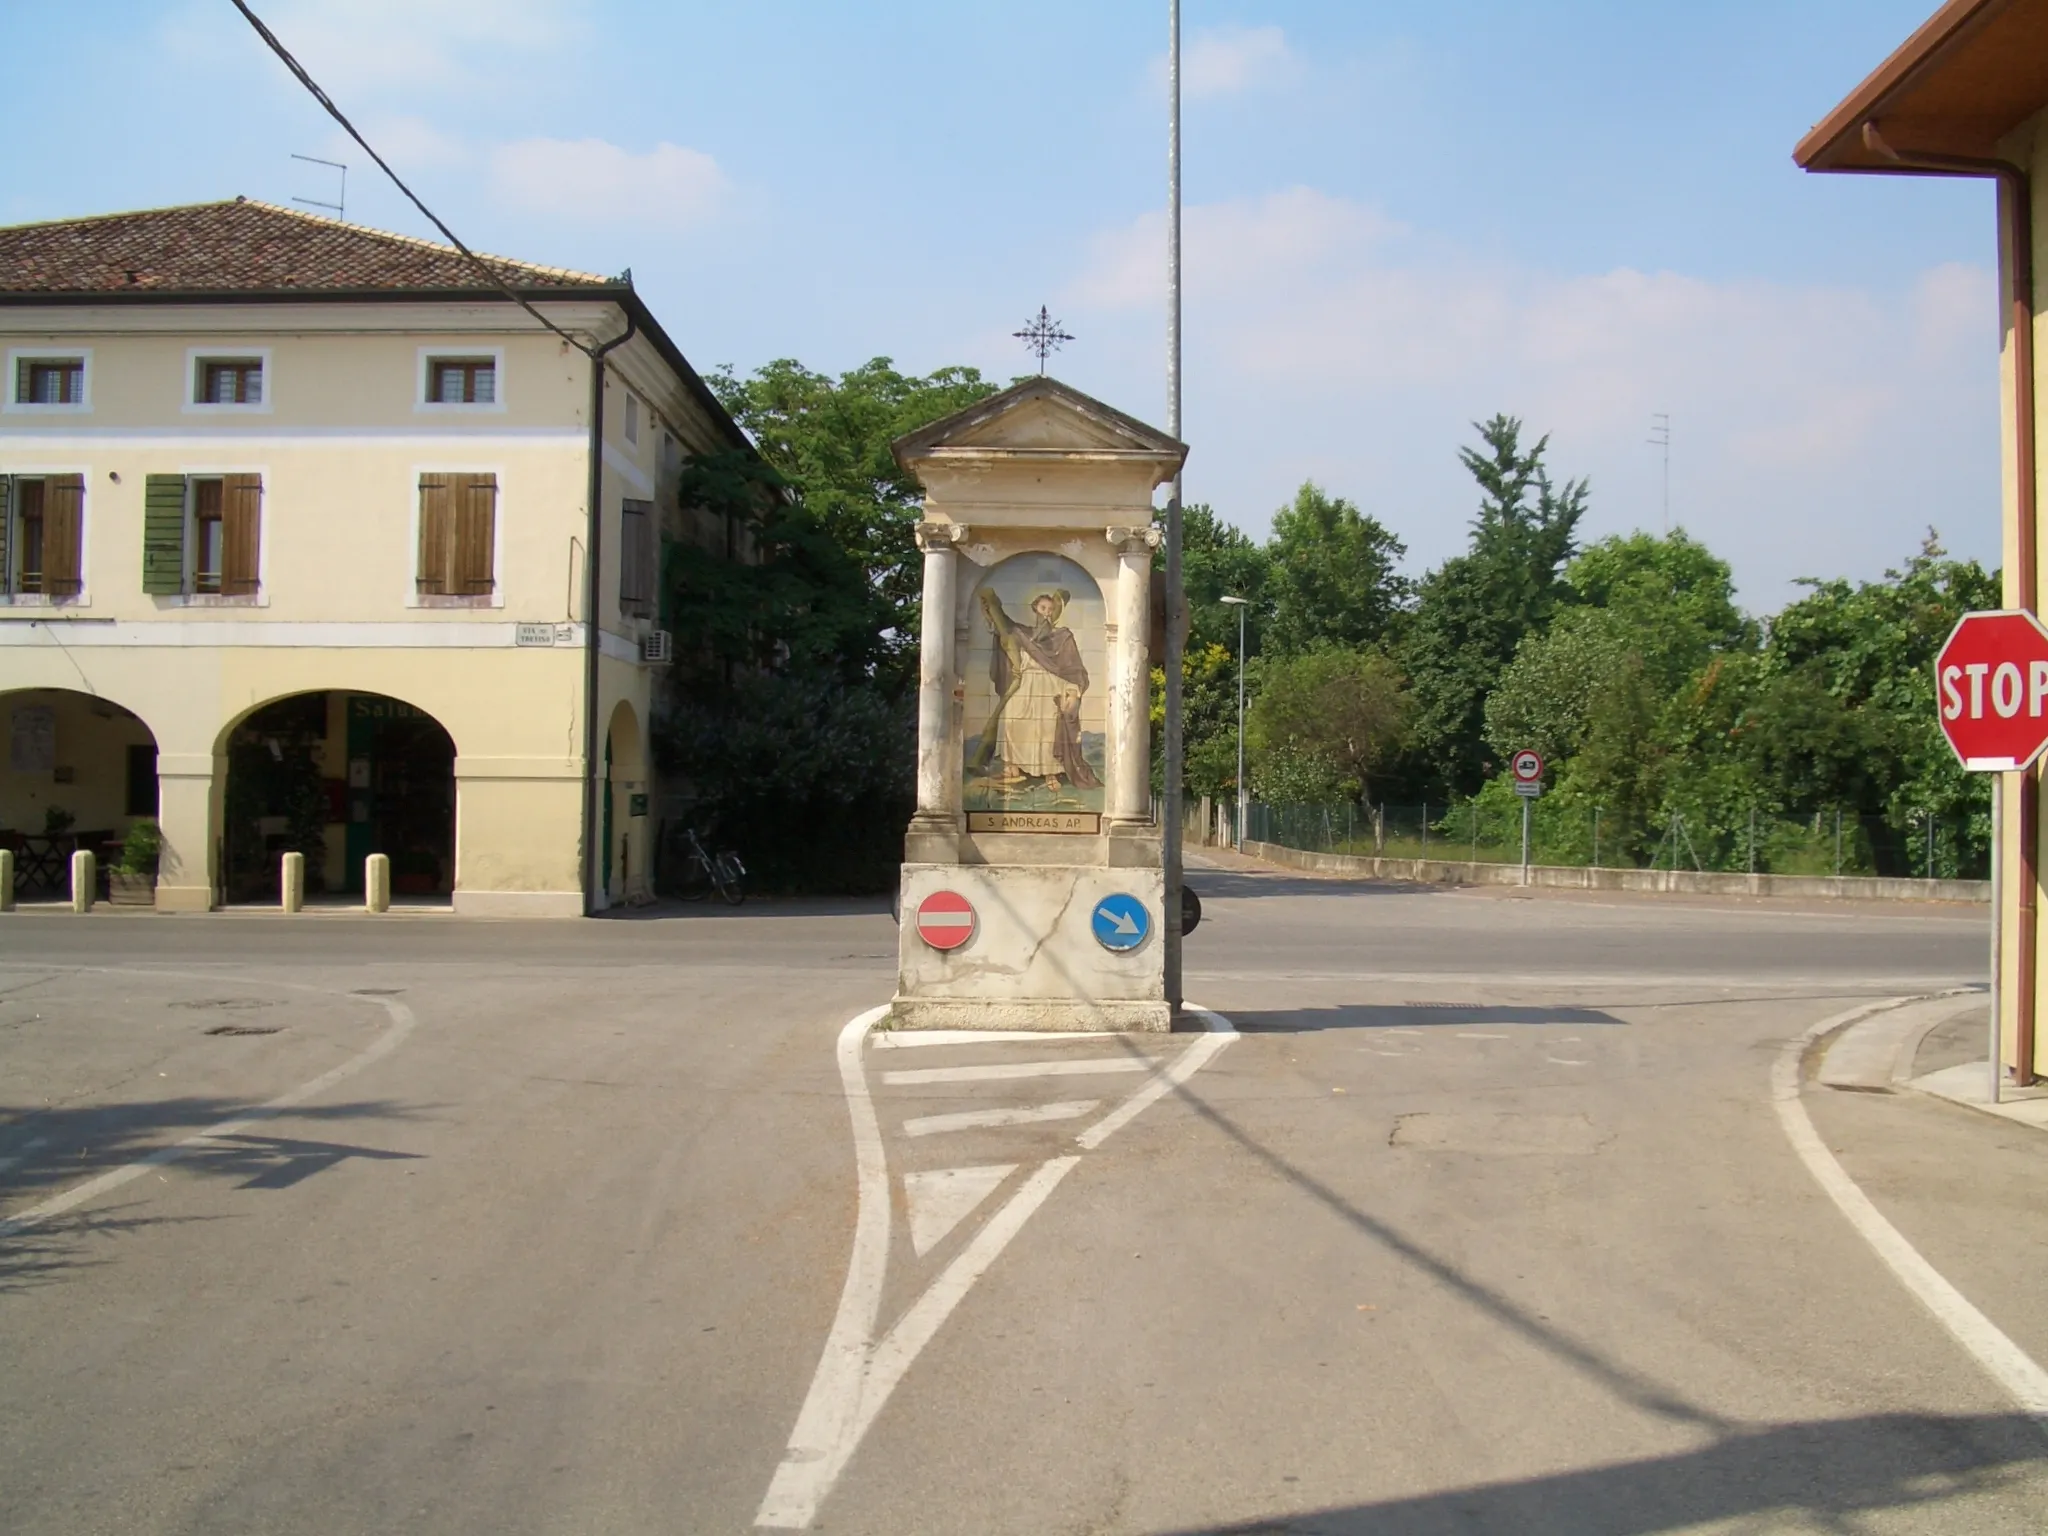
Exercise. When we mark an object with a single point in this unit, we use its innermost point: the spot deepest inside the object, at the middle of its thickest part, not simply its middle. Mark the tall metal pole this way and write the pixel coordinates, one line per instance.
(1241, 800)
(1170, 833)
(1997, 932)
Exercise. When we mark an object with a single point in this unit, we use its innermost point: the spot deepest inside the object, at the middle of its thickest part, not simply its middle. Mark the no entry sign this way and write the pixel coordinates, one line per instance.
(1991, 690)
(945, 920)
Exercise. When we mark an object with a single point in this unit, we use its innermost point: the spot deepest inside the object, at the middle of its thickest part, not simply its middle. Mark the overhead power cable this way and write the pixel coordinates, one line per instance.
(496, 279)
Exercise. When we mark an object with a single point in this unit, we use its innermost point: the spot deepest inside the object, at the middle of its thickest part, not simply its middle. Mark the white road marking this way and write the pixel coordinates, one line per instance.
(975, 1119)
(2004, 1361)
(935, 1200)
(1567, 1061)
(899, 1039)
(1018, 1069)
(1466, 1034)
(33, 1144)
(856, 1375)
(402, 1024)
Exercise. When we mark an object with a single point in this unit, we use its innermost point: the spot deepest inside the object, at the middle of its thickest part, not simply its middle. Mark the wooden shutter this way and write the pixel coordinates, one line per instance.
(635, 577)
(163, 534)
(241, 523)
(63, 530)
(476, 521)
(437, 532)
(6, 534)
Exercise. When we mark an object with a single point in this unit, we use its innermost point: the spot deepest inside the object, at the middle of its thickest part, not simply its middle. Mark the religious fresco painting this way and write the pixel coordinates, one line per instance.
(1036, 680)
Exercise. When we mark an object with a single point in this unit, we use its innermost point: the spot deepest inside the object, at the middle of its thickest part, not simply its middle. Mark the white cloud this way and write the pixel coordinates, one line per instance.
(1817, 429)
(594, 179)
(1223, 61)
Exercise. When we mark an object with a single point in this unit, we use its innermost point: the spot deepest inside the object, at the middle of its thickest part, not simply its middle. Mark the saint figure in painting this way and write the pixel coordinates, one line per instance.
(1039, 677)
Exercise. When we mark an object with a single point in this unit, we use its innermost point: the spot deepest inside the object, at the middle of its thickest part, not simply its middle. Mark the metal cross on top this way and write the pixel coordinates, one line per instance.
(1042, 336)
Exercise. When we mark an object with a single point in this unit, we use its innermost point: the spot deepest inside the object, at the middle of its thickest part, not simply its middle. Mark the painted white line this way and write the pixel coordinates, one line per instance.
(402, 1024)
(855, 1376)
(900, 1039)
(2004, 1361)
(1185, 1066)
(976, 1119)
(936, 1199)
(990, 1074)
(1466, 1034)
(825, 1437)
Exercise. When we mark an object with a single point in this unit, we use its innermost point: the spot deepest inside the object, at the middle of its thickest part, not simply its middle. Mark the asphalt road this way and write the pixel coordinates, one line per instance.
(1485, 1224)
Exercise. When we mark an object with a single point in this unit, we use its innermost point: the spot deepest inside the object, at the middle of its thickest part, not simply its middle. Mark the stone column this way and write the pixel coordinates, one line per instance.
(938, 770)
(1130, 698)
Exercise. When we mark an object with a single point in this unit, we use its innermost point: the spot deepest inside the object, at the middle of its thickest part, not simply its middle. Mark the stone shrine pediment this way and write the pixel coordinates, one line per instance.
(1039, 416)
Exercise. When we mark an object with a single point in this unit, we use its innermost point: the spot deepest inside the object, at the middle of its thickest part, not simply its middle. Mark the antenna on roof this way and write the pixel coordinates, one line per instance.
(341, 207)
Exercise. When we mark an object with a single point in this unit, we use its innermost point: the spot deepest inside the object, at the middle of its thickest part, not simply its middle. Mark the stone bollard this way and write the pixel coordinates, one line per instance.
(377, 883)
(6, 879)
(292, 882)
(84, 879)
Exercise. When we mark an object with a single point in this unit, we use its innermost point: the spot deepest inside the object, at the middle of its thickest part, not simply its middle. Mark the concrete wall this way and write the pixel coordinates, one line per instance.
(1454, 872)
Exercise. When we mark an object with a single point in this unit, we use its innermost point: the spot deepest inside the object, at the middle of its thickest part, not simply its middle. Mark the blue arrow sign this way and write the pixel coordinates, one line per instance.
(1121, 922)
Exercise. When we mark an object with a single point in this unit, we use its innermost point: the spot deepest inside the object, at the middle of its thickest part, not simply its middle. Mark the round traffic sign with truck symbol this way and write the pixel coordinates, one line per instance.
(1991, 690)
(1527, 766)
(945, 920)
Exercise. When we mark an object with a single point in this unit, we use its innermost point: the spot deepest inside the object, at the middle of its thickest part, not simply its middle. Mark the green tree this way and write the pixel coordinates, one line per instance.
(1332, 575)
(1474, 609)
(829, 438)
(1219, 558)
(1329, 716)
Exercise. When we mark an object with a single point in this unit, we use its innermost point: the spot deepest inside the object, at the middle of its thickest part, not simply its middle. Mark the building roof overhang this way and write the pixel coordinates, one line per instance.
(1973, 72)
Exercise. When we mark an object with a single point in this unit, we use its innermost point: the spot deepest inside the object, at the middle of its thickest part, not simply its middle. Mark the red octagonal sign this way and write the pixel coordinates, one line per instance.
(1991, 689)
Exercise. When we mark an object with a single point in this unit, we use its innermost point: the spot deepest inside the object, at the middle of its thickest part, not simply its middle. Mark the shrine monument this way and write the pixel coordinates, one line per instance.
(1032, 884)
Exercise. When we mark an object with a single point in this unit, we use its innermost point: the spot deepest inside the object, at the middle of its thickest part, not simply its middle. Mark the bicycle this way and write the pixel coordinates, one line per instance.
(705, 872)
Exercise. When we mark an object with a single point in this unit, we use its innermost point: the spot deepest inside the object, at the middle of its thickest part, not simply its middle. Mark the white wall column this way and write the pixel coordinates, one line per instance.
(1130, 698)
(190, 787)
(938, 767)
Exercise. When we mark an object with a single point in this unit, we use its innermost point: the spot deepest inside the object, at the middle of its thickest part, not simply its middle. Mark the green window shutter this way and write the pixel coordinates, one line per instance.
(163, 534)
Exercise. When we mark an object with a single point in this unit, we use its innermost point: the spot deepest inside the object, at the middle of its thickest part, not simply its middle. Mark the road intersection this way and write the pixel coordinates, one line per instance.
(1483, 1219)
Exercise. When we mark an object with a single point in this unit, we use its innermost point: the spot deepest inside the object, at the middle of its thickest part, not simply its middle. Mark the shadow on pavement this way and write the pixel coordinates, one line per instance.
(1829, 1472)
(44, 1152)
(671, 909)
(1411, 1016)
(1228, 883)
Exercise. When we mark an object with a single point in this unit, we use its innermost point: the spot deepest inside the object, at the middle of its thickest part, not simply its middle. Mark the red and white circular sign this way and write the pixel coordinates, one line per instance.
(1528, 766)
(945, 920)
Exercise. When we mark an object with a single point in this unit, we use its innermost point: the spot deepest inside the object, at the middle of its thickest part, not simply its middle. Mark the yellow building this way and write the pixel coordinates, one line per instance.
(1967, 95)
(298, 554)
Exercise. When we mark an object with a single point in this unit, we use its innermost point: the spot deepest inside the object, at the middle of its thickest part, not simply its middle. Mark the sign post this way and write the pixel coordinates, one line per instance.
(1528, 770)
(1991, 699)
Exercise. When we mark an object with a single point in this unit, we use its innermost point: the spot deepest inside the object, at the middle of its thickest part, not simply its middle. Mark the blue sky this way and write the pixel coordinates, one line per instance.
(1401, 217)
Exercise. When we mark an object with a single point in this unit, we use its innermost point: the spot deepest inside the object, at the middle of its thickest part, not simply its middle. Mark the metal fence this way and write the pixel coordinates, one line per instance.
(1920, 845)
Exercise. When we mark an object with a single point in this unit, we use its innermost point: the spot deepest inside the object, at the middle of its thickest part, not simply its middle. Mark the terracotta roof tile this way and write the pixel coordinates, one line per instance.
(242, 247)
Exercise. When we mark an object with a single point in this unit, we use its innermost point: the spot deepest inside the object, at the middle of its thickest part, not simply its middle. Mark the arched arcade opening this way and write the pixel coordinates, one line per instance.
(337, 776)
(79, 772)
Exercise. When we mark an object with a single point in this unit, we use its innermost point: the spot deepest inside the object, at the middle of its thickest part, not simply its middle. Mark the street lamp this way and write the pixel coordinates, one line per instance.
(1240, 604)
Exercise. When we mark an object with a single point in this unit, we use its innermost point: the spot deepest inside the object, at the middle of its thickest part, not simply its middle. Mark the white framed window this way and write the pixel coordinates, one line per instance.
(220, 380)
(632, 417)
(42, 538)
(202, 537)
(49, 381)
(457, 538)
(461, 379)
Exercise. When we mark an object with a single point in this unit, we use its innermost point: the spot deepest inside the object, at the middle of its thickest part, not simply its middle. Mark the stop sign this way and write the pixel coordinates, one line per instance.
(1991, 689)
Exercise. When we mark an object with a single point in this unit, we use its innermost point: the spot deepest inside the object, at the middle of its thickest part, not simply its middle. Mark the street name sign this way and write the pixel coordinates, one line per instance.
(945, 920)
(1991, 691)
(1120, 922)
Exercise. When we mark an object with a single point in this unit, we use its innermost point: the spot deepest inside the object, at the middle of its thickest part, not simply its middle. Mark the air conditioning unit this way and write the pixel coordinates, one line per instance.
(658, 649)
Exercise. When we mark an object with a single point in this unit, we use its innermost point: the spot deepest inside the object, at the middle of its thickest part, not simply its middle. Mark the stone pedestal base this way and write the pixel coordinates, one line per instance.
(1049, 1014)
(1033, 960)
